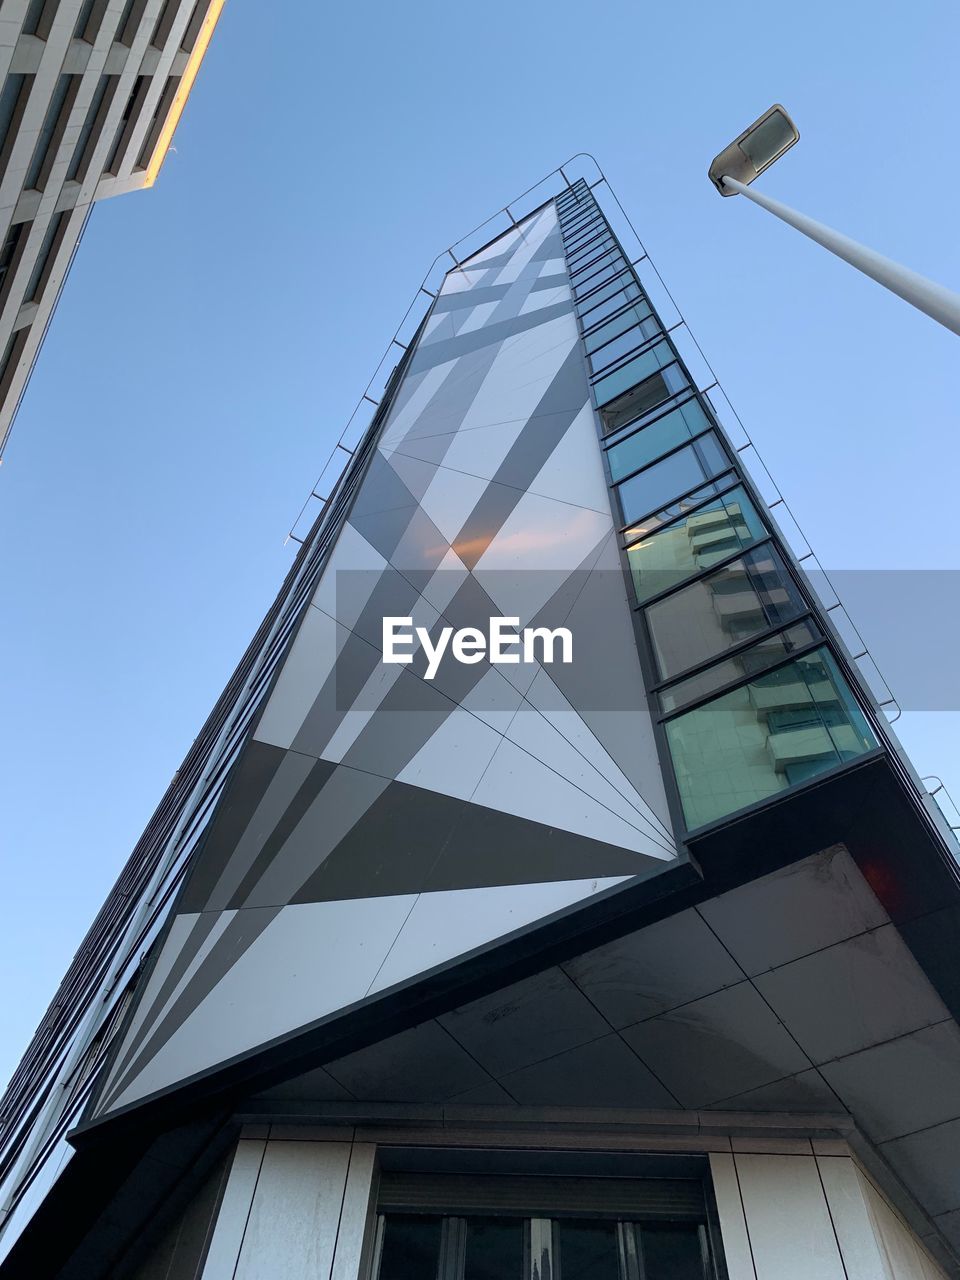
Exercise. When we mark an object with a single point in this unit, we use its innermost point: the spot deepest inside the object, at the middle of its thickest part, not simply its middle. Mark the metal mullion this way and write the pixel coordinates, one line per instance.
(618, 362)
(598, 324)
(703, 573)
(633, 386)
(734, 483)
(592, 250)
(606, 261)
(588, 232)
(612, 253)
(609, 443)
(577, 222)
(669, 454)
(453, 1249)
(601, 277)
(631, 1253)
(738, 683)
(585, 244)
(575, 227)
(579, 210)
(631, 279)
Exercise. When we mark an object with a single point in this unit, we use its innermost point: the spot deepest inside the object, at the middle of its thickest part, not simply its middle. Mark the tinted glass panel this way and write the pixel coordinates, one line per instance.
(633, 404)
(618, 324)
(672, 510)
(766, 653)
(589, 1251)
(704, 619)
(671, 477)
(765, 737)
(580, 241)
(656, 439)
(634, 371)
(622, 346)
(613, 296)
(590, 246)
(603, 273)
(411, 1247)
(494, 1249)
(672, 1253)
(713, 532)
(592, 260)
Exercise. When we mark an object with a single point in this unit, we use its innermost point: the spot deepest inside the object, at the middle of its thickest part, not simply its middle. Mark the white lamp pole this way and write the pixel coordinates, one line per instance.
(755, 150)
(942, 305)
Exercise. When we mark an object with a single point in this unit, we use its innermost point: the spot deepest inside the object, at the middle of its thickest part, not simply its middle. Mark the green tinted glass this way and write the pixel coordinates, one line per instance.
(701, 539)
(779, 730)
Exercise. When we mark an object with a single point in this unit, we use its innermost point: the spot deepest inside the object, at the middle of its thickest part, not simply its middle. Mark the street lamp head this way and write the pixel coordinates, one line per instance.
(755, 150)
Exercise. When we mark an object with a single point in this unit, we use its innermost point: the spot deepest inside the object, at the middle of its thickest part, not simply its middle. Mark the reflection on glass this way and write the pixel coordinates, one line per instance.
(694, 543)
(633, 371)
(617, 325)
(658, 438)
(673, 1253)
(669, 513)
(781, 729)
(589, 1250)
(627, 342)
(494, 1249)
(765, 653)
(609, 298)
(411, 1247)
(591, 248)
(671, 477)
(642, 398)
(597, 273)
(722, 610)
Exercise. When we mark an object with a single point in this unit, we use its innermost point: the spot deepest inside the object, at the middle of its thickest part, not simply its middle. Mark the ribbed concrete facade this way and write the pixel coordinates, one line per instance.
(91, 93)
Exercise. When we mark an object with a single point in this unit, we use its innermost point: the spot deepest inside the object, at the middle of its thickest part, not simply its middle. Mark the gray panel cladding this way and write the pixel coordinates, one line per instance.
(371, 798)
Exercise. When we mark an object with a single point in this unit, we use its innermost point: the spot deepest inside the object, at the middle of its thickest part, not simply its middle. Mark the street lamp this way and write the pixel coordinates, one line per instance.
(755, 150)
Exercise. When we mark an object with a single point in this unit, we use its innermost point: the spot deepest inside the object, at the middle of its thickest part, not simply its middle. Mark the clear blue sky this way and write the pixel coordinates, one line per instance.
(215, 333)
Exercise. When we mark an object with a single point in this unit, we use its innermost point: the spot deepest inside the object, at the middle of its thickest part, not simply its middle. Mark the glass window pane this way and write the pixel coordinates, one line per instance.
(765, 737)
(588, 1251)
(627, 319)
(669, 513)
(672, 1253)
(589, 246)
(703, 620)
(593, 259)
(609, 300)
(598, 274)
(622, 290)
(672, 476)
(766, 653)
(642, 398)
(713, 532)
(582, 242)
(656, 439)
(411, 1247)
(628, 375)
(619, 347)
(494, 1249)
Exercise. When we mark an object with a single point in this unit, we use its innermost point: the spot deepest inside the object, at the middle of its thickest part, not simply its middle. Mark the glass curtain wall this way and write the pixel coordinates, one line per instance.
(751, 699)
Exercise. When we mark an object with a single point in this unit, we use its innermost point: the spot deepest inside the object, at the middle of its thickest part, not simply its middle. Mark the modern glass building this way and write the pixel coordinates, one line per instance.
(640, 966)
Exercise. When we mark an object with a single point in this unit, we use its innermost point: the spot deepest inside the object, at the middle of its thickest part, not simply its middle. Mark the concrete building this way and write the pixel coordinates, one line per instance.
(91, 94)
(637, 967)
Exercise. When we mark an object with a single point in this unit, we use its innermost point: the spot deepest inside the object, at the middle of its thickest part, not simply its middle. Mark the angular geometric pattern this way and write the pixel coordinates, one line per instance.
(379, 825)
